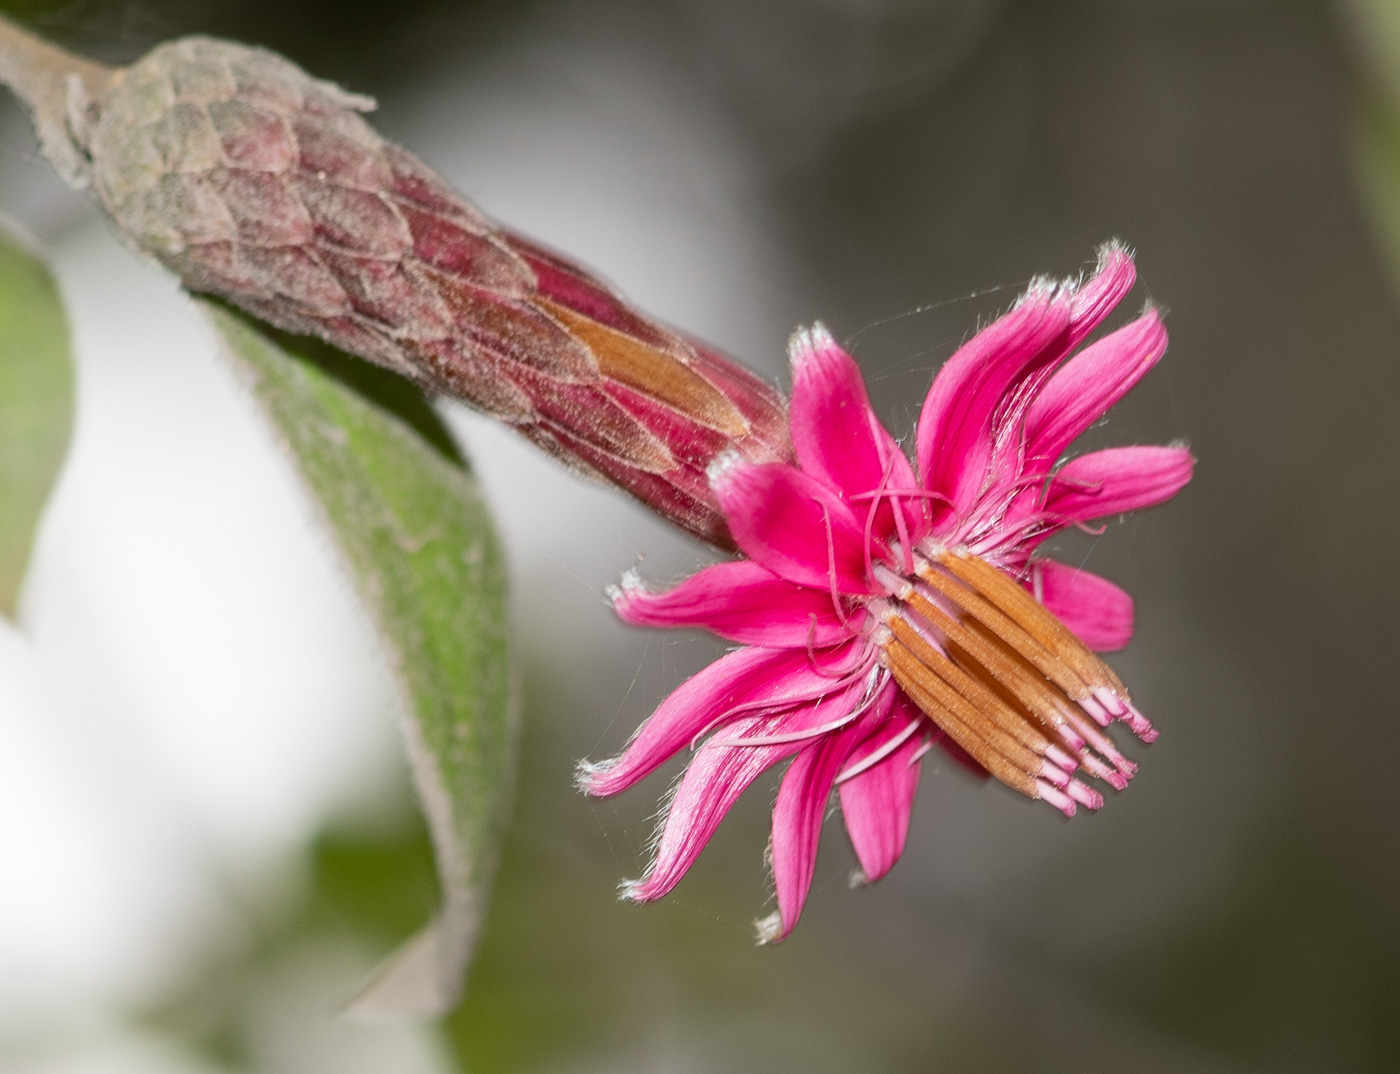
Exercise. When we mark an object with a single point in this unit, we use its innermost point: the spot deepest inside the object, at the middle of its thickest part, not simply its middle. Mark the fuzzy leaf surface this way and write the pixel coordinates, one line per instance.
(36, 403)
(406, 513)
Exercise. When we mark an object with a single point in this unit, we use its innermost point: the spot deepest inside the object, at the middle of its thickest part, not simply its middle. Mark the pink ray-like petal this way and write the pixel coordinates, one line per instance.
(954, 439)
(714, 780)
(1115, 480)
(876, 803)
(1096, 298)
(741, 601)
(1094, 608)
(1008, 464)
(797, 820)
(792, 524)
(837, 436)
(738, 678)
(1090, 383)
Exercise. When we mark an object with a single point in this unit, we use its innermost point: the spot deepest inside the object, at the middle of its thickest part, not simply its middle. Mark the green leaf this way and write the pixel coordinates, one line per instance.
(36, 403)
(408, 518)
(1374, 40)
(1376, 145)
(1376, 121)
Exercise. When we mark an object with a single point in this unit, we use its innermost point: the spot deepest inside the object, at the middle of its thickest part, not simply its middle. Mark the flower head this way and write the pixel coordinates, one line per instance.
(886, 606)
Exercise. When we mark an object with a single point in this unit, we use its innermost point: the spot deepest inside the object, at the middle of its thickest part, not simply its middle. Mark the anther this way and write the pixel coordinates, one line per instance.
(1034, 618)
(999, 754)
(1016, 637)
(1054, 797)
(976, 694)
(1058, 776)
(1094, 708)
(1003, 678)
(1084, 795)
(1064, 759)
(1095, 767)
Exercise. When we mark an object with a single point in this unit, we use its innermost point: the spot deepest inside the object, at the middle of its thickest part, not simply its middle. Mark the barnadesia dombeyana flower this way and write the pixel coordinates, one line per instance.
(882, 611)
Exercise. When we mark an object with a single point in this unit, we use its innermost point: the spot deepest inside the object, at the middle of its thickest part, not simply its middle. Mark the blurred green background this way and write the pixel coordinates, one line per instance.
(1237, 910)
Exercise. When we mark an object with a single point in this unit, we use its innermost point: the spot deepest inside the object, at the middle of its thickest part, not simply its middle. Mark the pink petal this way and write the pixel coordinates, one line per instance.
(1093, 607)
(954, 437)
(792, 524)
(877, 802)
(1010, 464)
(715, 779)
(1115, 480)
(836, 434)
(702, 702)
(798, 816)
(1089, 303)
(1090, 383)
(741, 601)
(1096, 298)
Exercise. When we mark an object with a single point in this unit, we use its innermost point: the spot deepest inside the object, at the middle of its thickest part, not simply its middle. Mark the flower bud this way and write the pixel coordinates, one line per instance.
(257, 183)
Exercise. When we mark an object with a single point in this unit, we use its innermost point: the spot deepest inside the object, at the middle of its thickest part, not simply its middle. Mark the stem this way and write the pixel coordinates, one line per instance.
(55, 86)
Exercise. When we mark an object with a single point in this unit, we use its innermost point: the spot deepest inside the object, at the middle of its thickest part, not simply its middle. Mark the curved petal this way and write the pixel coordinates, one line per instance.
(1010, 470)
(797, 820)
(1115, 480)
(1090, 301)
(1094, 608)
(837, 436)
(741, 601)
(877, 801)
(792, 524)
(955, 438)
(703, 701)
(1090, 383)
(1096, 298)
(713, 781)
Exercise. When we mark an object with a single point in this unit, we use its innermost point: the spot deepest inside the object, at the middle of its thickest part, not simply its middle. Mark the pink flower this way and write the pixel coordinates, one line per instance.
(879, 612)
